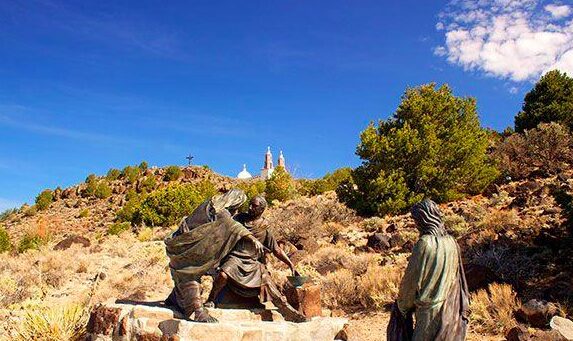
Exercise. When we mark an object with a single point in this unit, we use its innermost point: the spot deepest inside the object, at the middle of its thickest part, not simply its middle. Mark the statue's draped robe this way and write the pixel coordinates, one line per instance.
(244, 266)
(200, 243)
(434, 287)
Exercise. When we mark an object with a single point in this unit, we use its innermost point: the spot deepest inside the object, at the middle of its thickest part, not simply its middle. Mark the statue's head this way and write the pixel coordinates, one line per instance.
(428, 218)
(257, 206)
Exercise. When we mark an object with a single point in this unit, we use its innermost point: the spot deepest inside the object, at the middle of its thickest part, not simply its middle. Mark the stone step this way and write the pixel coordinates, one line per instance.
(111, 322)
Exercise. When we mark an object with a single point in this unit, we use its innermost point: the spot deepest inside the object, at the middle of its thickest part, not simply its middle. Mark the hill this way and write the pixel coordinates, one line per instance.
(515, 240)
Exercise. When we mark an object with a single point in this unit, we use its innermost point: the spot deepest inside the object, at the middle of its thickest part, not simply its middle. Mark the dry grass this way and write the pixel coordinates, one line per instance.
(54, 323)
(379, 285)
(331, 258)
(501, 220)
(492, 309)
(340, 289)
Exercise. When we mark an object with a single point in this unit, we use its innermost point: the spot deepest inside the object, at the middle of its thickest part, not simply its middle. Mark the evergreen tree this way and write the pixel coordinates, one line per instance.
(280, 186)
(550, 100)
(433, 146)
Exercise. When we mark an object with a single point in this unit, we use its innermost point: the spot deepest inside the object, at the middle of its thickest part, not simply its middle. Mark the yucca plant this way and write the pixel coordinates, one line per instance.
(65, 323)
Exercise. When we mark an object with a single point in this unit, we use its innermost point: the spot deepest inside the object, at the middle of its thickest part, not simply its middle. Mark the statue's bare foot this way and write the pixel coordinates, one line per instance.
(201, 315)
(209, 304)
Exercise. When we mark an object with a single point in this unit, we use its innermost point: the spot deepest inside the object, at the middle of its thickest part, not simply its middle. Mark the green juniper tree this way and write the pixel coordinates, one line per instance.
(550, 100)
(433, 146)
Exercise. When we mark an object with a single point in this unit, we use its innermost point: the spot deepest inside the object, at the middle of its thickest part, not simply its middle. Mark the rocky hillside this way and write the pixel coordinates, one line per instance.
(515, 241)
(74, 211)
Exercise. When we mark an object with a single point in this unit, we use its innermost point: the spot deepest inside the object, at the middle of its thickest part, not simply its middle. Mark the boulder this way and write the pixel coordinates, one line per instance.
(562, 326)
(537, 313)
(73, 239)
(126, 322)
(378, 242)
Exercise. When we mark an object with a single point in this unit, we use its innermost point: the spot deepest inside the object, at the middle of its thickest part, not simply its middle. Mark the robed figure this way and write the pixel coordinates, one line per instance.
(434, 286)
(202, 240)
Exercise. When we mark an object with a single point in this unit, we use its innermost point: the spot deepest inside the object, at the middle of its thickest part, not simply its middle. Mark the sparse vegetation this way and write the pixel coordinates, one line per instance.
(143, 166)
(492, 309)
(30, 242)
(172, 173)
(65, 323)
(5, 242)
(542, 151)
(130, 174)
(84, 213)
(117, 228)
(44, 199)
(113, 174)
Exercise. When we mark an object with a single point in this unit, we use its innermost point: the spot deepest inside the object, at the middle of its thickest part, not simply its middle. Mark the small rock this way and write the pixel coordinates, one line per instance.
(537, 313)
(378, 242)
(391, 228)
(563, 326)
(73, 239)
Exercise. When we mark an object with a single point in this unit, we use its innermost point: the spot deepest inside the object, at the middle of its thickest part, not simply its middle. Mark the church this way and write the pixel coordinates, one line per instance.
(267, 169)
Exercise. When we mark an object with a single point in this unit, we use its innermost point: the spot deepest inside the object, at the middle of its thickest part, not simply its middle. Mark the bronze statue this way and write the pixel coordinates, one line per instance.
(202, 240)
(244, 271)
(434, 286)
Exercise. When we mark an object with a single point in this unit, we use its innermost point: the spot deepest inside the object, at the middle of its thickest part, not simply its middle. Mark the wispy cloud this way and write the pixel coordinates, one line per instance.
(124, 30)
(33, 127)
(516, 40)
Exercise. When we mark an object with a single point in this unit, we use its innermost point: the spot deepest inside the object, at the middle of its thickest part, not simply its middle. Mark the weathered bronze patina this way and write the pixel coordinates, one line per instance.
(434, 285)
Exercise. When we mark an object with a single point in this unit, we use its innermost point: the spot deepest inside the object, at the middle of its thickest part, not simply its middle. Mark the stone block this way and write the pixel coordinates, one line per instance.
(305, 299)
(103, 320)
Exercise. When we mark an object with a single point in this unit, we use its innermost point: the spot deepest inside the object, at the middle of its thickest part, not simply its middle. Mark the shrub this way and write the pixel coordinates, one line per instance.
(311, 187)
(53, 323)
(117, 228)
(456, 225)
(91, 178)
(500, 220)
(379, 285)
(44, 199)
(130, 210)
(251, 188)
(130, 174)
(145, 234)
(5, 243)
(280, 186)
(340, 289)
(166, 206)
(113, 174)
(30, 211)
(148, 184)
(545, 150)
(143, 166)
(551, 100)
(30, 242)
(433, 147)
(373, 224)
(84, 213)
(102, 190)
(492, 310)
(172, 173)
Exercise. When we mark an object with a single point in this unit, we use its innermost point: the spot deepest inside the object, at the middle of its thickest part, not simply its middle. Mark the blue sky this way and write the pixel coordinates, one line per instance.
(86, 86)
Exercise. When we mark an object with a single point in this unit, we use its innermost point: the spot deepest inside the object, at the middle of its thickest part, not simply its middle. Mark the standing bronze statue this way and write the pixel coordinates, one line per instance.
(202, 240)
(244, 270)
(434, 286)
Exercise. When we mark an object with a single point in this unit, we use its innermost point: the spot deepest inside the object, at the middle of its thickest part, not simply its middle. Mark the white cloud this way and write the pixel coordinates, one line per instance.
(510, 39)
(558, 11)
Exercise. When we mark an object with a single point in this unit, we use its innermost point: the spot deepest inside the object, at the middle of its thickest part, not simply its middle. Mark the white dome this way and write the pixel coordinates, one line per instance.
(244, 174)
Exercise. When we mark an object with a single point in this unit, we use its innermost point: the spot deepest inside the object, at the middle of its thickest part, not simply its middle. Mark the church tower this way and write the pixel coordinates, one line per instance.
(268, 167)
(281, 162)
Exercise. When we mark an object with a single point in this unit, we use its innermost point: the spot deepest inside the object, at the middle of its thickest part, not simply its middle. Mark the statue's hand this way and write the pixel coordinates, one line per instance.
(258, 246)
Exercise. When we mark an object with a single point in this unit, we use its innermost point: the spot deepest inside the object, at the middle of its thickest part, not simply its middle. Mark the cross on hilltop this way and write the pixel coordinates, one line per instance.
(189, 158)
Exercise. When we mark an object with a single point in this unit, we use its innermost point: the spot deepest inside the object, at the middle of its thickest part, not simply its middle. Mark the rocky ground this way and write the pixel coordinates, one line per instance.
(516, 235)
